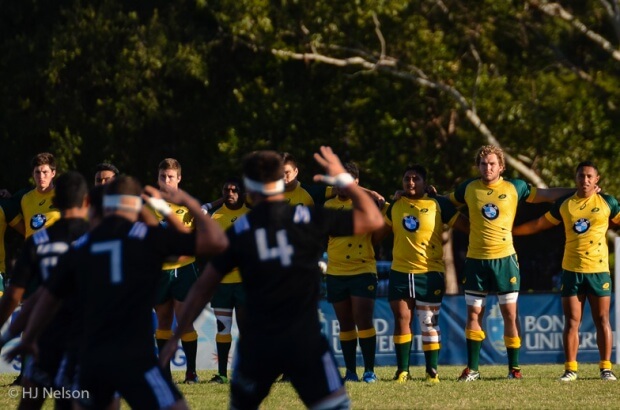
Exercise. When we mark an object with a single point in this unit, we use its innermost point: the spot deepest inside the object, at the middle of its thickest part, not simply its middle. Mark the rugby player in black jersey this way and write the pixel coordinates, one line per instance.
(114, 271)
(277, 248)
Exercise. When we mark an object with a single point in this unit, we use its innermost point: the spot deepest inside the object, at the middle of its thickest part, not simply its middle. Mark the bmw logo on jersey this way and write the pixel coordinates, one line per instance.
(38, 221)
(411, 223)
(490, 211)
(581, 226)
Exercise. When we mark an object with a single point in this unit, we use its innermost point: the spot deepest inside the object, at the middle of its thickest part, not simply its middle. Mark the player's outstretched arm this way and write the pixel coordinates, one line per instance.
(550, 194)
(199, 295)
(533, 226)
(366, 215)
(210, 238)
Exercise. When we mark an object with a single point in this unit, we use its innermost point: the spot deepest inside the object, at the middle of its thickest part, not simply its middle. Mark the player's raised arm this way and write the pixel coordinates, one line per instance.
(210, 238)
(366, 215)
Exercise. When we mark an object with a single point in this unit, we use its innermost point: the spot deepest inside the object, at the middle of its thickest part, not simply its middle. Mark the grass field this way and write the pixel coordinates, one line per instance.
(539, 389)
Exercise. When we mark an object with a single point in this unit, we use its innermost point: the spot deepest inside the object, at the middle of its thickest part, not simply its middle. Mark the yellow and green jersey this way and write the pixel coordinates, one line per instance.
(225, 218)
(586, 221)
(349, 255)
(38, 211)
(9, 215)
(298, 196)
(492, 209)
(417, 225)
(183, 214)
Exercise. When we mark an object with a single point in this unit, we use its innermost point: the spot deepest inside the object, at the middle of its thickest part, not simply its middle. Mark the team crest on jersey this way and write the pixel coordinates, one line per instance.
(581, 226)
(490, 211)
(38, 221)
(411, 223)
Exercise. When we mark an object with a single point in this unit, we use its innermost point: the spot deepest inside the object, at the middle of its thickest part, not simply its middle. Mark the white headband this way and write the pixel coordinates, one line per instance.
(131, 203)
(267, 188)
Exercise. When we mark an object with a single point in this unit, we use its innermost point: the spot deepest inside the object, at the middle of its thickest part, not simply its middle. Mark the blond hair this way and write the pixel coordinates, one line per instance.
(170, 163)
(488, 150)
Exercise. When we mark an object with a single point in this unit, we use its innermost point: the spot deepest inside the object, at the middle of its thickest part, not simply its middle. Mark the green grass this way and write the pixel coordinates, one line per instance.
(539, 389)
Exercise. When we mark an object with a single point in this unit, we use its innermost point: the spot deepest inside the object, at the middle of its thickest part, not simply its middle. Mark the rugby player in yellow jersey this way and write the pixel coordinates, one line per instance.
(417, 273)
(37, 209)
(229, 294)
(491, 264)
(177, 276)
(585, 276)
(352, 288)
(293, 192)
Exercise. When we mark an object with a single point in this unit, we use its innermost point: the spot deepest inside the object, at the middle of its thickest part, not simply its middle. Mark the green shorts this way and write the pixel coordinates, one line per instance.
(426, 287)
(175, 283)
(341, 288)
(575, 283)
(228, 296)
(492, 275)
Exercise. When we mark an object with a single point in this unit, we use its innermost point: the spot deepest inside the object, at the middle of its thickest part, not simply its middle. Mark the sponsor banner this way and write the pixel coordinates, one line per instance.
(206, 327)
(540, 317)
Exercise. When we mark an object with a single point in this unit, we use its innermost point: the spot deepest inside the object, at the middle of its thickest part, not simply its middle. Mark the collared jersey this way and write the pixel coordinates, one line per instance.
(9, 215)
(38, 211)
(349, 255)
(417, 225)
(183, 214)
(492, 209)
(225, 218)
(277, 248)
(586, 221)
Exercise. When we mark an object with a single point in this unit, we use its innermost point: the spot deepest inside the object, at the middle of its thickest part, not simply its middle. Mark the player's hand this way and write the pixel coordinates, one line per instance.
(168, 351)
(377, 197)
(330, 162)
(431, 191)
(22, 349)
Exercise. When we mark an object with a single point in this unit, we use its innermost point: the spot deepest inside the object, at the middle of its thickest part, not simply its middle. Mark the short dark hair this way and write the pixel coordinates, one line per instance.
(124, 185)
(43, 158)
(70, 191)
(351, 168)
(586, 164)
(288, 158)
(106, 166)
(263, 166)
(418, 169)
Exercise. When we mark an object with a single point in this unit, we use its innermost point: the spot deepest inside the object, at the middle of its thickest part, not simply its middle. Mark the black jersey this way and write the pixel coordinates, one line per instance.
(37, 261)
(277, 248)
(115, 270)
